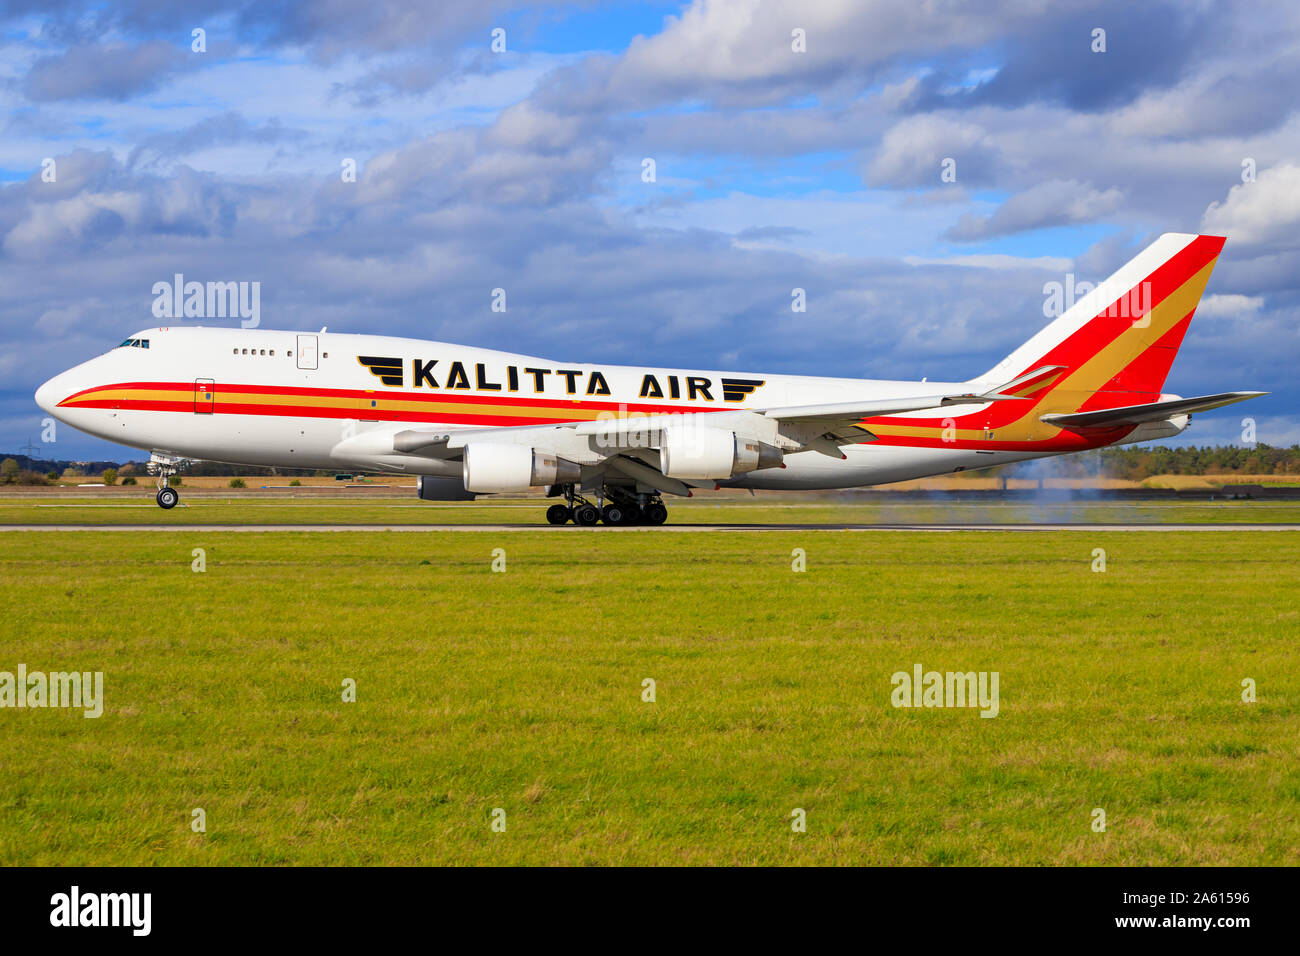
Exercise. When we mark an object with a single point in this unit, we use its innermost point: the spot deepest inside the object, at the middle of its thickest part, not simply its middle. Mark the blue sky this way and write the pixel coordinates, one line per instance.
(774, 168)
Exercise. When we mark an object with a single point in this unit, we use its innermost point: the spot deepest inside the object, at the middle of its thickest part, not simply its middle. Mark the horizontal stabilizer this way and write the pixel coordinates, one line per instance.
(1151, 412)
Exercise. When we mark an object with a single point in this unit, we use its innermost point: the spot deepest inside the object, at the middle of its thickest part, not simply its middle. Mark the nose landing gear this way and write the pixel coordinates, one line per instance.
(164, 466)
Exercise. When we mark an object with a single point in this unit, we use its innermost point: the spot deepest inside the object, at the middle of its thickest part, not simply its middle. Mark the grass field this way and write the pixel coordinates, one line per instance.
(523, 691)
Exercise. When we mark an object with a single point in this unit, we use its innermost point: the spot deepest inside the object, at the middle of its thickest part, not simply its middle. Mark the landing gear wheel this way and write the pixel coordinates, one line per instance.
(586, 515)
(558, 514)
(167, 497)
(656, 514)
(614, 514)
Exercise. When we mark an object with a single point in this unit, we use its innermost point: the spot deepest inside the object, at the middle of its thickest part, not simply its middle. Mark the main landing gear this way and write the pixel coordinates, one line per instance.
(624, 507)
(164, 466)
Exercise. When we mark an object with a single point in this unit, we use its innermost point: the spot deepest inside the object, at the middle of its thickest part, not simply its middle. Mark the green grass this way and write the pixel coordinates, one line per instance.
(253, 508)
(522, 690)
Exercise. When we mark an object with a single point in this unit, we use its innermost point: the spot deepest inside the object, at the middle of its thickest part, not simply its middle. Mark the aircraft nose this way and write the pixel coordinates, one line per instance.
(50, 394)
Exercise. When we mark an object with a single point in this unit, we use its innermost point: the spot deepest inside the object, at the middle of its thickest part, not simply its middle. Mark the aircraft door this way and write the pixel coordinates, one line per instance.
(307, 355)
(205, 396)
(369, 406)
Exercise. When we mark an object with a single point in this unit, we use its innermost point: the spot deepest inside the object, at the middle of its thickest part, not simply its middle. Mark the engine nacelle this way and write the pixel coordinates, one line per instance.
(490, 467)
(434, 488)
(695, 452)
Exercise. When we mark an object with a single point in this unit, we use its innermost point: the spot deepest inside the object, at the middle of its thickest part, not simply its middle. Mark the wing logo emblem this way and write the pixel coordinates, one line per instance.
(738, 389)
(388, 370)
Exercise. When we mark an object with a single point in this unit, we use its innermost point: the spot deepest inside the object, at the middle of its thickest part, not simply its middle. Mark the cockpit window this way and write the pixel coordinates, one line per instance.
(135, 344)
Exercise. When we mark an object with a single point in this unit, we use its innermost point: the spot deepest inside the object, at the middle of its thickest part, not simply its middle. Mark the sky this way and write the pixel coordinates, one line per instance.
(794, 144)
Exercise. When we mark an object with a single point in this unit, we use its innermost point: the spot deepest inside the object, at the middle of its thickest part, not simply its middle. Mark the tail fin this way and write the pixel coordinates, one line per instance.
(1113, 347)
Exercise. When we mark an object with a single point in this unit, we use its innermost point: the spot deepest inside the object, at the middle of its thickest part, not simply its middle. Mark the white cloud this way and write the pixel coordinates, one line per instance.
(1054, 203)
(996, 261)
(862, 223)
(1230, 306)
(1265, 211)
(912, 153)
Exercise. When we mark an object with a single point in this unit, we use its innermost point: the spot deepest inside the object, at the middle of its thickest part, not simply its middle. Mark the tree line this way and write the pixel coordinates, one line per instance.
(1135, 463)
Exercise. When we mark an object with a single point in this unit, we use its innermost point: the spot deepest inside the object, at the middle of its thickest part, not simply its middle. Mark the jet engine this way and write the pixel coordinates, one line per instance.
(491, 467)
(435, 488)
(694, 452)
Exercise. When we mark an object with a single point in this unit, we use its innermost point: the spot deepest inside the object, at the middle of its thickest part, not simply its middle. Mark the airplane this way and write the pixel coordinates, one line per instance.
(470, 421)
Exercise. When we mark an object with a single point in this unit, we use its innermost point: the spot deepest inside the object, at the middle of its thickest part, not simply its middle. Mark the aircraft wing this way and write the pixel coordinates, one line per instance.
(856, 411)
(1150, 412)
(820, 427)
(826, 427)
(839, 419)
(633, 445)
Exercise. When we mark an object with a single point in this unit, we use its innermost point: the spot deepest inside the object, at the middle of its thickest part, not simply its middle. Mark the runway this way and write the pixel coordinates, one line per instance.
(602, 529)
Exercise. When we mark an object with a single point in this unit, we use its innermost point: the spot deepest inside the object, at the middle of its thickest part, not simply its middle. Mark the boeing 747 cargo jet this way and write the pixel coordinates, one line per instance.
(611, 441)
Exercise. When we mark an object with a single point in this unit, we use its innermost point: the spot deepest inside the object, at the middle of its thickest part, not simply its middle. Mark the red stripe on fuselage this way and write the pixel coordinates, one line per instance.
(222, 405)
(293, 391)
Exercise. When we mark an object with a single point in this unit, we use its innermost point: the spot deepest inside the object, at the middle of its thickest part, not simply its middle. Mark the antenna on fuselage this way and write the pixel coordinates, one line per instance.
(322, 329)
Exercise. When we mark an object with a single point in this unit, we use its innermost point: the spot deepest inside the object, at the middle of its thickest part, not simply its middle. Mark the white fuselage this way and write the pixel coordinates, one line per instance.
(294, 400)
